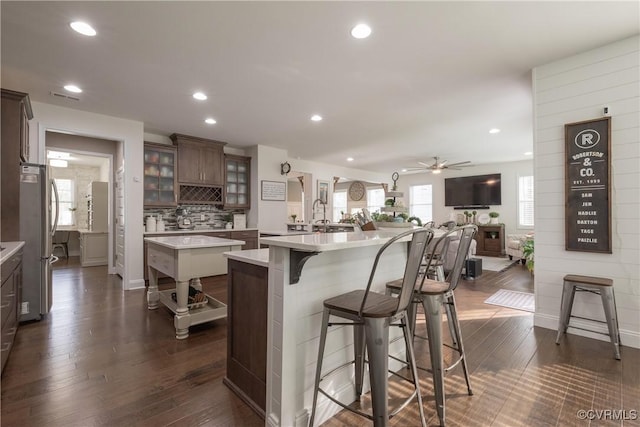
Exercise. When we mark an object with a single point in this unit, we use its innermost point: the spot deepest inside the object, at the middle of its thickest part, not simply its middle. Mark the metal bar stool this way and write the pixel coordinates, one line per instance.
(597, 285)
(433, 294)
(61, 241)
(371, 314)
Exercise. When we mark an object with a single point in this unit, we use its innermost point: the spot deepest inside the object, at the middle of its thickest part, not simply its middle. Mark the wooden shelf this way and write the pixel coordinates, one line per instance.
(490, 240)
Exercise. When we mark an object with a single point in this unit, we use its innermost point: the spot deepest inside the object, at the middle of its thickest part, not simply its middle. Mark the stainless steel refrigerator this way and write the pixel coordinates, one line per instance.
(38, 221)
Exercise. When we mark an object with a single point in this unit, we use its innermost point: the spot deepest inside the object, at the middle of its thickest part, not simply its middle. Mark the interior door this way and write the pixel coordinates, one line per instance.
(119, 252)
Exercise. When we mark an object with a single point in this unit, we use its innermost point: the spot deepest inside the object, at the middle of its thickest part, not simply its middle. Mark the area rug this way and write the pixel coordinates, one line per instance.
(496, 264)
(513, 299)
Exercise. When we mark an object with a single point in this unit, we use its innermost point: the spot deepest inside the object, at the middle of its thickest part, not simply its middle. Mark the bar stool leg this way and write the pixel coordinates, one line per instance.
(433, 310)
(408, 337)
(450, 323)
(566, 305)
(377, 336)
(358, 349)
(323, 339)
(453, 318)
(609, 304)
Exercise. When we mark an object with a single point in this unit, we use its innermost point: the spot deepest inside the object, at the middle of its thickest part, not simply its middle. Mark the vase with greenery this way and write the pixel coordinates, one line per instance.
(293, 218)
(527, 253)
(494, 217)
(474, 213)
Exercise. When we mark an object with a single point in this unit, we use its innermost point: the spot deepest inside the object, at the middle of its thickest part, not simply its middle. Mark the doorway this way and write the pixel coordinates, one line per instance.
(90, 165)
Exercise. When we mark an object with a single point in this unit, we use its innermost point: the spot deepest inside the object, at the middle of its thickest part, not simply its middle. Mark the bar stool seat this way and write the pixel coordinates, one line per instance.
(602, 286)
(371, 314)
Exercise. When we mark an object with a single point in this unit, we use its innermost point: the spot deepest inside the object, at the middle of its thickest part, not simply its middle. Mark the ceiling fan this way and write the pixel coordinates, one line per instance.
(438, 166)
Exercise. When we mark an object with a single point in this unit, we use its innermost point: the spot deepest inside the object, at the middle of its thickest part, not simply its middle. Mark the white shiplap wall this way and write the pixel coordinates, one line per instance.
(571, 90)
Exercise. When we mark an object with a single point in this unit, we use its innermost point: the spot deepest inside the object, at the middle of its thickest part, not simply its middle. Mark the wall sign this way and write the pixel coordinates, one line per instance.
(588, 186)
(274, 190)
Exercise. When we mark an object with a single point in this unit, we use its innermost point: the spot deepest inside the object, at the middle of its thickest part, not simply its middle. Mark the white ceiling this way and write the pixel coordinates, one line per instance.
(432, 79)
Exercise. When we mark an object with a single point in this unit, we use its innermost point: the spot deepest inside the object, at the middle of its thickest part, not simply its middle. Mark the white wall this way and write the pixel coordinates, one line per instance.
(130, 133)
(508, 211)
(571, 90)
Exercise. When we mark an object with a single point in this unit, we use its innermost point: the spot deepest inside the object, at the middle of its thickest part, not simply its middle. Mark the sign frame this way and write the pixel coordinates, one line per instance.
(273, 190)
(588, 186)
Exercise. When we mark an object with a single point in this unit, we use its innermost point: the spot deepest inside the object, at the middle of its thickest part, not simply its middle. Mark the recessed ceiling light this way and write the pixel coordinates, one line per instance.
(361, 31)
(316, 118)
(210, 121)
(494, 130)
(73, 88)
(83, 28)
(200, 96)
(58, 163)
(529, 153)
(349, 159)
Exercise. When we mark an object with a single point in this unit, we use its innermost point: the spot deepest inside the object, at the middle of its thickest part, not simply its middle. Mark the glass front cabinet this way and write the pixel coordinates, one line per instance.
(237, 188)
(160, 177)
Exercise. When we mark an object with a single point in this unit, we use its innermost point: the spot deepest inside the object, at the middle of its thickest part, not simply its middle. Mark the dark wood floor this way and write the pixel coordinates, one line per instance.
(101, 358)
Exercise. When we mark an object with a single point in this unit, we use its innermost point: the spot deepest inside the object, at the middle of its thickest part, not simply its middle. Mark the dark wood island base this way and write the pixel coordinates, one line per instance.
(247, 286)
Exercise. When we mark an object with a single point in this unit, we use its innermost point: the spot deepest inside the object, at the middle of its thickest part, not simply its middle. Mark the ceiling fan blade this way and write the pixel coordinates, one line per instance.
(460, 163)
(424, 164)
(442, 163)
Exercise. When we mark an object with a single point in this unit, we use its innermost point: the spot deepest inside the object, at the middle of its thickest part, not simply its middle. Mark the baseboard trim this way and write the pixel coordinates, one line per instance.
(628, 338)
(135, 284)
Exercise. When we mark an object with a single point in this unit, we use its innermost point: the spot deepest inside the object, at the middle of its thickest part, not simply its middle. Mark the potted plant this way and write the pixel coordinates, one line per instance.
(293, 218)
(527, 253)
(494, 217)
(474, 216)
(415, 220)
(466, 216)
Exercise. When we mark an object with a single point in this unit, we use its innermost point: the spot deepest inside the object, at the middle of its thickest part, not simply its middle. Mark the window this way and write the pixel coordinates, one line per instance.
(67, 202)
(421, 202)
(339, 204)
(375, 199)
(525, 201)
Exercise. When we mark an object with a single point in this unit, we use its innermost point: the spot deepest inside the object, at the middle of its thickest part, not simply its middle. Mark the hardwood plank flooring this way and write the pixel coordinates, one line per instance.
(100, 358)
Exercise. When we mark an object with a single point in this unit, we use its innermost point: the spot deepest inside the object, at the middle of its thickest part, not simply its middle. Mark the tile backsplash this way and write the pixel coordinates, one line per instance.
(201, 216)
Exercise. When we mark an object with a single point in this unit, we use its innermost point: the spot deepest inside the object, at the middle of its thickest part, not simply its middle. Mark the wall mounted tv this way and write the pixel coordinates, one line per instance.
(473, 191)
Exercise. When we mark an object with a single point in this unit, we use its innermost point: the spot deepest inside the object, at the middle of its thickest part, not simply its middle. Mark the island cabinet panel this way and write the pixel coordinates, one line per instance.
(248, 236)
(200, 161)
(247, 287)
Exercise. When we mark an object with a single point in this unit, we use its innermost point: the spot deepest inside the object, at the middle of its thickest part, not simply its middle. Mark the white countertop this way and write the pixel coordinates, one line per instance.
(86, 231)
(283, 232)
(323, 242)
(10, 248)
(193, 242)
(198, 231)
(252, 256)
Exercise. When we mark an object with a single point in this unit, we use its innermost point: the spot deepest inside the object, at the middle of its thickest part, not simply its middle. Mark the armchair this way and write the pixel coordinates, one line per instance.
(514, 244)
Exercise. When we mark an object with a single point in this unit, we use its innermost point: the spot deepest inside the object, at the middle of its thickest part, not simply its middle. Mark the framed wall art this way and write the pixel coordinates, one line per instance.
(588, 186)
(323, 191)
(273, 190)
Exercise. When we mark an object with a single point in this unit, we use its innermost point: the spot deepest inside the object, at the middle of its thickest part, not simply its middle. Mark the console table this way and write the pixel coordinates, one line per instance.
(187, 258)
(490, 240)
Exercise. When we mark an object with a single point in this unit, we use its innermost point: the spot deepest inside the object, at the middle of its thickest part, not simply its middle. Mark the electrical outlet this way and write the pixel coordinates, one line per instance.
(202, 217)
(25, 308)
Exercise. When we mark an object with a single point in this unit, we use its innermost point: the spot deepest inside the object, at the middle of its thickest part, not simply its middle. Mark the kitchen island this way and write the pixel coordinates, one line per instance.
(186, 259)
(303, 271)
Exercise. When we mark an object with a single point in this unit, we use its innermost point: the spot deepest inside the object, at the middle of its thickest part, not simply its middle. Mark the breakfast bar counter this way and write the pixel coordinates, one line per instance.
(186, 259)
(303, 271)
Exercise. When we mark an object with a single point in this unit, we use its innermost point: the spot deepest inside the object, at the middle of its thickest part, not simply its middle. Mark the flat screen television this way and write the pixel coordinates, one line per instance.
(479, 190)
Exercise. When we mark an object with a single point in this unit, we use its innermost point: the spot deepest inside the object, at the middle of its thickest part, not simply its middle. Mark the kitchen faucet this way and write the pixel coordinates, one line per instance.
(324, 212)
